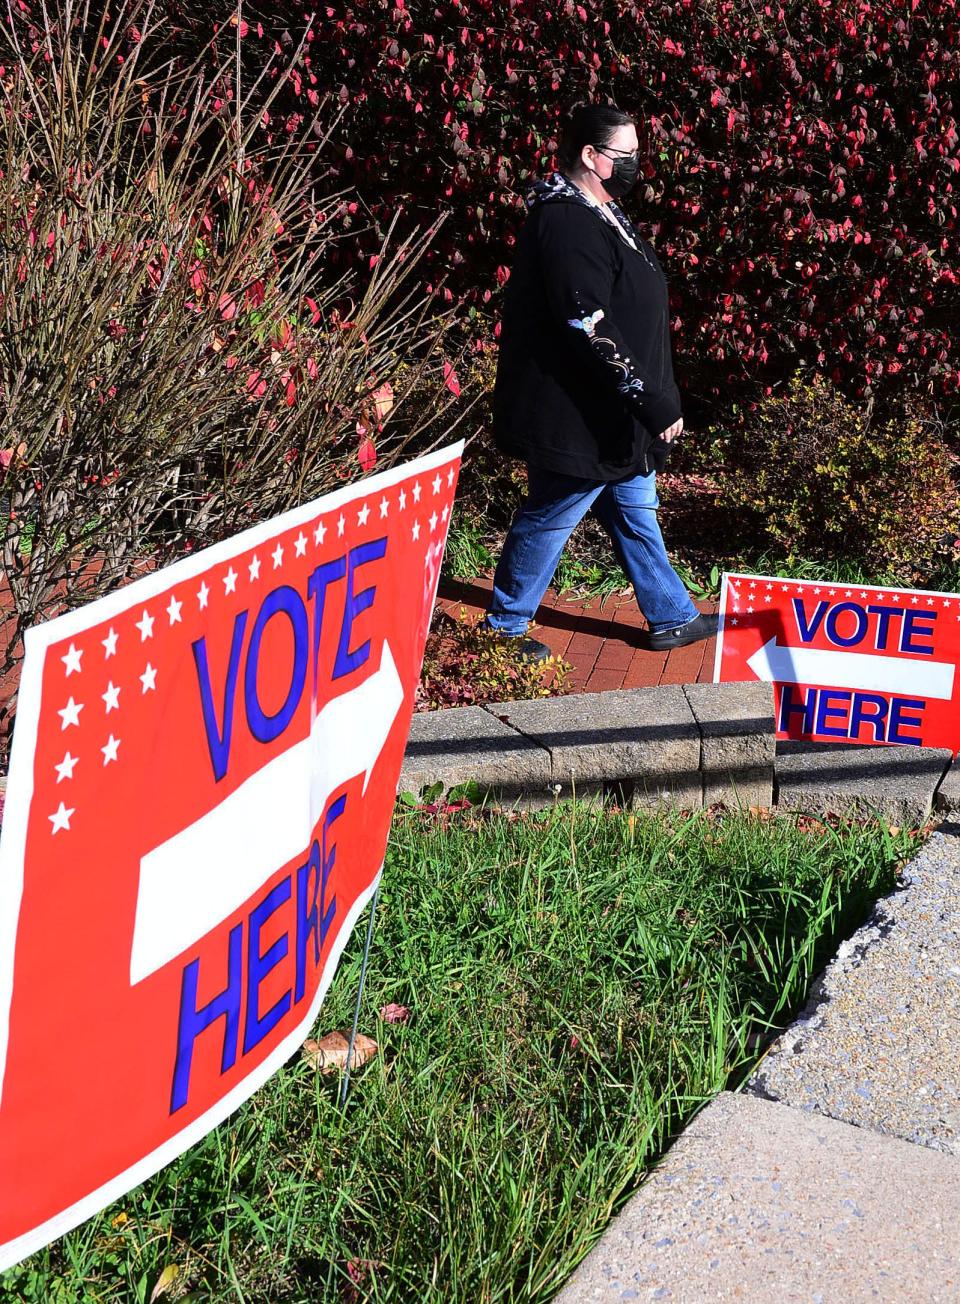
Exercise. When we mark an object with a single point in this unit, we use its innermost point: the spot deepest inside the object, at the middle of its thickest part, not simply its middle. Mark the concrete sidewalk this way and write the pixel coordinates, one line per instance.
(759, 1202)
(835, 1175)
(878, 1044)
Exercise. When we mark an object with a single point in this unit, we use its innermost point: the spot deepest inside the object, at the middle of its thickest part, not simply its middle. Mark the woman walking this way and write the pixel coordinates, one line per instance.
(584, 392)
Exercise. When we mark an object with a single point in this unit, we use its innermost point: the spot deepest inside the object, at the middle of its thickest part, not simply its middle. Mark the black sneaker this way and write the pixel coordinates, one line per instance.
(527, 649)
(704, 625)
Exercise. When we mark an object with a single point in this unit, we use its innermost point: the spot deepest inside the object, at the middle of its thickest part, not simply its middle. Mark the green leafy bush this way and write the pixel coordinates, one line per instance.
(824, 482)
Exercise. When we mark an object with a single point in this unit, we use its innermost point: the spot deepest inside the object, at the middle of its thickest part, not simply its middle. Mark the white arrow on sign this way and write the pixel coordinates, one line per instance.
(775, 662)
(196, 879)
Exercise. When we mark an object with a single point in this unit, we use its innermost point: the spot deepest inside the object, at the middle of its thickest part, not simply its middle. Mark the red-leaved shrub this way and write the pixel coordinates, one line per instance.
(800, 159)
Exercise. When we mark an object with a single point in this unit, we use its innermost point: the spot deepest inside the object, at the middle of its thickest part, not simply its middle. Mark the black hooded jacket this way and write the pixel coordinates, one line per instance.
(584, 380)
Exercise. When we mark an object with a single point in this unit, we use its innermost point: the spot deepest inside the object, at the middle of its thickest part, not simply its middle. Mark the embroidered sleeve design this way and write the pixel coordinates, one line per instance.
(586, 324)
(628, 382)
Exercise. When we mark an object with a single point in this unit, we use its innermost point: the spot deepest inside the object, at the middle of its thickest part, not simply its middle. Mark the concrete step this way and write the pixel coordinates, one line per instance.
(897, 782)
(675, 744)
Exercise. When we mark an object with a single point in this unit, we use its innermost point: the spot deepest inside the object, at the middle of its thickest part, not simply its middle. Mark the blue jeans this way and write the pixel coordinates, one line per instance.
(554, 505)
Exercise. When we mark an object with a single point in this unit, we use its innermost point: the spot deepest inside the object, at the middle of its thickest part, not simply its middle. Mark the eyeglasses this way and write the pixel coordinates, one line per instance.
(626, 153)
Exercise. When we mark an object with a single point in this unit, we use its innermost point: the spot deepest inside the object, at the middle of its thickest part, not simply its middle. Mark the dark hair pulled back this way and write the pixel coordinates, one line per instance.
(587, 124)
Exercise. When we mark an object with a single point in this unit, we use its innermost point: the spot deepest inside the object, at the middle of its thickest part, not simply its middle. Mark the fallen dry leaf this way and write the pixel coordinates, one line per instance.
(166, 1279)
(330, 1052)
(359, 1271)
(761, 812)
(395, 1013)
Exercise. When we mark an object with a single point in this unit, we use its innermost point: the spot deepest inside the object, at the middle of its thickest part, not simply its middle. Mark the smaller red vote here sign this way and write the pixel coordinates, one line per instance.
(203, 774)
(848, 663)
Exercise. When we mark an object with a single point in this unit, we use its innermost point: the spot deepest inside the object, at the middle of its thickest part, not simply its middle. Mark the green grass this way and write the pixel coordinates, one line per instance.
(595, 579)
(580, 982)
(466, 555)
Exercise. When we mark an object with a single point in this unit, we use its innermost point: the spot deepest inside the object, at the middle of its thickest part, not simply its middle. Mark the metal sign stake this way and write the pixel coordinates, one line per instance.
(344, 1085)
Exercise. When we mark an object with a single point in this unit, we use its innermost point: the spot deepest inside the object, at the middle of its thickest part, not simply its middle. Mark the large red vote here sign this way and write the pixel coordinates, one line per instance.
(848, 662)
(203, 773)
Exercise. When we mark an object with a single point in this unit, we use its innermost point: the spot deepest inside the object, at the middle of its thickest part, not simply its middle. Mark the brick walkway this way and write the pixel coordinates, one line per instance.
(601, 639)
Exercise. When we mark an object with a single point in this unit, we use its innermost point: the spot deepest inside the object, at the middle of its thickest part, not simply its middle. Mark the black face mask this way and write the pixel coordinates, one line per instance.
(626, 170)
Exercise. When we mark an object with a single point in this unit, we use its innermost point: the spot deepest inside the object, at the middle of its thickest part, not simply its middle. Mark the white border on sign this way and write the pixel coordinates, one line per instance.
(19, 793)
(718, 654)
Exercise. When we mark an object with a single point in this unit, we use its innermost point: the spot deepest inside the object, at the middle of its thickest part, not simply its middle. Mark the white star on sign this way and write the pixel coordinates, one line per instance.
(734, 621)
(149, 678)
(111, 697)
(277, 555)
(929, 602)
(110, 643)
(436, 484)
(341, 522)
(384, 508)
(300, 544)
(416, 529)
(914, 601)
(320, 532)
(72, 660)
(145, 626)
(450, 478)
(110, 751)
(61, 818)
(416, 491)
(403, 499)
(229, 582)
(896, 597)
(946, 604)
(445, 513)
(863, 593)
(70, 714)
(203, 593)
(254, 568)
(769, 586)
(173, 611)
(433, 522)
(363, 514)
(65, 768)
(767, 598)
